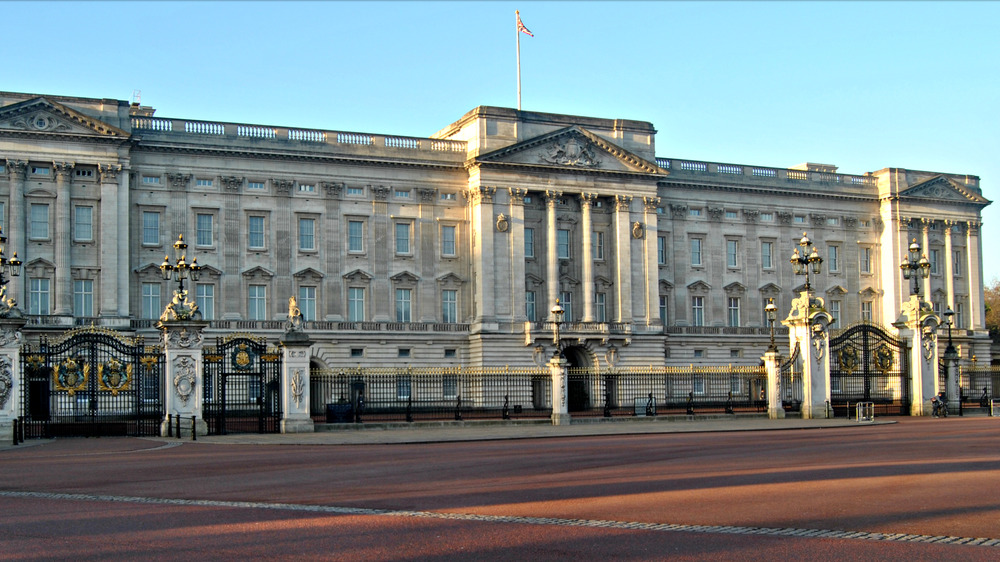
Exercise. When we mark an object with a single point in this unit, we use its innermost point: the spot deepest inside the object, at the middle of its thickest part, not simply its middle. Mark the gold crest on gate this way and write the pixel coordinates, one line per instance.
(113, 376)
(70, 376)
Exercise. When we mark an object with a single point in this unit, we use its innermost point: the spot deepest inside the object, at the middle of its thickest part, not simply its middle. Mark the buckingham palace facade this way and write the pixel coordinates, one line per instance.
(451, 250)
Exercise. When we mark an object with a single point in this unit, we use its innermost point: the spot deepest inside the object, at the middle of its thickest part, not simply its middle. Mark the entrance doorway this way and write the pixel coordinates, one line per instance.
(579, 384)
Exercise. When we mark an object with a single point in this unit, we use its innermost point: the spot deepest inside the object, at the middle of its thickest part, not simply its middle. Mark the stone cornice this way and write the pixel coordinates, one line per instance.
(764, 190)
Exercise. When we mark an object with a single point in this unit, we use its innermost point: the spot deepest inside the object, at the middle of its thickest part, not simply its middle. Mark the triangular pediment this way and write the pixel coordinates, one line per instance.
(735, 287)
(308, 273)
(572, 148)
(405, 277)
(836, 290)
(532, 280)
(699, 287)
(940, 188)
(358, 276)
(770, 289)
(450, 280)
(39, 115)
(257, 273)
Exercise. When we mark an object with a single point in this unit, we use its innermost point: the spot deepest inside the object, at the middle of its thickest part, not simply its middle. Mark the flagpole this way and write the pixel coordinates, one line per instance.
(517, 32)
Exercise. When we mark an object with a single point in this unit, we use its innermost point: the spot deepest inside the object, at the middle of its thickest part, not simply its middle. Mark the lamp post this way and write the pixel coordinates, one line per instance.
(950, 350)
(557, 320)
(8, 268)
(808, 259)
(915, 267)
(180, 269)
(772, 315)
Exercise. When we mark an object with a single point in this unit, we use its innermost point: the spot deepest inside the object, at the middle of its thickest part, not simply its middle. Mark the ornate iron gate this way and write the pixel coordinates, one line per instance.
(242, 390)
(92, 382)
(791, 383)
(868, 364)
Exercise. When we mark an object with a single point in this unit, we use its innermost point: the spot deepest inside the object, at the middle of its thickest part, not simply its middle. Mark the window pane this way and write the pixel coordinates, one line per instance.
(402, 238)
(766, 249)
(698, 311)
(732, 253)
(256, 232)
(355, 304)
(402, 305)
(449, 306)
(151, 300)
(529, 305)
(529, 242)
(696, 251)
(38, 296)
(307, 303)
(150, 227)
(83, 223)
(566, 299)
(204, 230)
(205, 299)
(257, 302)
(83, 298)
(562, 244)
(448, 240)
(355, 236)
(307, 234)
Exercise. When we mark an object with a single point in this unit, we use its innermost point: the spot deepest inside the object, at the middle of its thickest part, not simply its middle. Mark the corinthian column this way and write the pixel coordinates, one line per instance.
(586, 202)
(62, 236)
(623, 259)
(16, 231)
(110, 239)
(552, 261)
(949, 266)
(925, 243)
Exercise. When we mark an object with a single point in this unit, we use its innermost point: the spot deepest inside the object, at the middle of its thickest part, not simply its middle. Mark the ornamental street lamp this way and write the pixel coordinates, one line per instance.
(8, 268)
(915, 267)
(808, 259)
(557, 320)
(772, 315)
(180, 269)
(950, 351)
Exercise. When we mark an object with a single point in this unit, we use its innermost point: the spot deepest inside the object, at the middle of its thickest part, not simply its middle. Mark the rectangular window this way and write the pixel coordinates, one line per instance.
(960, 316)
(355, 236)
(956, 263)
(151, 300)
(661, 250)
(865, 257)
(204, 231)
(529, 305)
(203, 183)
(355, 304)
(307, 235)
(150, 180)
(39, 221)
(403, 352)
(562, 244)
(767, 255)
(307, 303)
(450, 353)
(448, 241)
(833, 221)
(151, 228)
(663, 309)
(866, 311)
(3, 215)
(833, 254)
(357, 352)
(83, 223)
(255, 232)
(732, 253)
(307, 188)
(403, 384)
(733, 311)
(38, 296)
(834, 314)
(402, 193)
(566, 299)
(83, 298)
(449, 196)
(799, 219)
(204, 298)
(255, 185)
(698, 383)
(529, 242)
(402, 238)
(355, 191)
(694, 212)
(598, 245)
(767, 217)
(449, 306)
(257, 302)
(402, 305)
(600, 307)
(934, 258)
(696, 251)
(732, 215)
(697, 311)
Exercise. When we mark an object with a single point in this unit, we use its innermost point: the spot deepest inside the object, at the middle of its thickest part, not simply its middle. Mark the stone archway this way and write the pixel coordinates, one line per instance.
(579, 384)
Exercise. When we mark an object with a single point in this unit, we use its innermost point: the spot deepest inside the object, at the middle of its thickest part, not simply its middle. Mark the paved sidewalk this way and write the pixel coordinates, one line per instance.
(426, 432)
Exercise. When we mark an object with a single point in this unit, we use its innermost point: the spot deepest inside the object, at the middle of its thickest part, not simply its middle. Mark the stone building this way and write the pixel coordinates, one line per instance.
(451, 250)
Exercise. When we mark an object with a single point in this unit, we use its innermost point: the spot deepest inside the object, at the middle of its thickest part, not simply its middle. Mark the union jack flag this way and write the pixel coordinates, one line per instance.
(521, 28)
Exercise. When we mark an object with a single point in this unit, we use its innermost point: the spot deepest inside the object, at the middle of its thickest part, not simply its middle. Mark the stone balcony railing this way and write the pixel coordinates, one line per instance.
(239, 131)
(319, 326)
(763, 174)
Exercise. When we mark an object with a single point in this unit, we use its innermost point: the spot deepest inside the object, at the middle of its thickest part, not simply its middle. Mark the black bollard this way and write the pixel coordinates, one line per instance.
(178, 426)
(20, 431)
(194, 428)
(15, 431)
(170, 425)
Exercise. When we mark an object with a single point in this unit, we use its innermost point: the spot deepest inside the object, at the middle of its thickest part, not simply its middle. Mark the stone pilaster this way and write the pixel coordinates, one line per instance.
(650, 267)
(949, 267)
(481, 211)
(551, 250)
(295, 383)
(517, 269)
(111, 231)
(807, 324)
(974, 272)
(925, 245)
(587, 226)
(17, 227)
(772, 364)
(183, 343)
(11, 377)
(917, 325)
(560, 406)
(623, 259)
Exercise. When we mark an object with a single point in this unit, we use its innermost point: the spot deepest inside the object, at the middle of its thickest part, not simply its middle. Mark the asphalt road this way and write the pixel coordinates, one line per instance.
(921, 489)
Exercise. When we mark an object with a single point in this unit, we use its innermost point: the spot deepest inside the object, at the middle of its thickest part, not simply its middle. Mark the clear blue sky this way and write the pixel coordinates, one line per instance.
(861, 85)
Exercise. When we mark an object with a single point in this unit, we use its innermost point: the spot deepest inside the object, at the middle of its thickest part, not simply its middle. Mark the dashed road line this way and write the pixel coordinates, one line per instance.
(600, 523)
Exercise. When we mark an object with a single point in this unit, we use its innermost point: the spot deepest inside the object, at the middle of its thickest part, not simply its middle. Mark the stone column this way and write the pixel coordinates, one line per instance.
(974, 272)
(552, 253)
(807, 322)
(560, 407)
(110, 239)
(917, 325)
(587, 225)
(651, 269)
(16, 228)
(62, 235)
(772, 364)
(951, 376)
(123, 245)
(517, 286)
(295, 402)
(183, 341)
(11, 377)
(623, 259)
(481, 225)
(949, 266)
